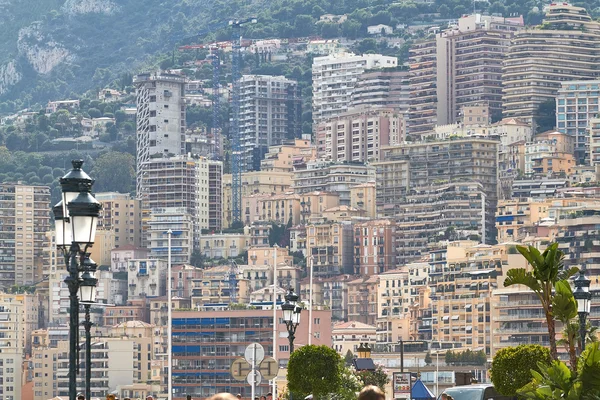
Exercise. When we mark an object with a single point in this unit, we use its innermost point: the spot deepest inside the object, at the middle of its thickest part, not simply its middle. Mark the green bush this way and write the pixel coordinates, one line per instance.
(511, 367)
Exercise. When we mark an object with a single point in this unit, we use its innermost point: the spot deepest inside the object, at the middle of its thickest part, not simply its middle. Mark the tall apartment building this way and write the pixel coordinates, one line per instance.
(16, 315)
(331, 247)
(183, 239)
(374, 247)
(160, 118)
(270, 114)
(121, 214)
(362, 299)
(576, 105)
(594, 141)
(122, 358)
(359, 134)
(564, 48)
(254, 182)
(191, 185)
(204, 346)
(461, 292)
(278, 208)
(332, 177)
(435, 189)
(382, 88)
(24, 222)
(334, 78)
(460, 66)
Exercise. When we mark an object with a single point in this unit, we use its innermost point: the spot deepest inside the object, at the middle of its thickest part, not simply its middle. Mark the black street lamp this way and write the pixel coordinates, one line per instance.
(87, 297)
(584, 297)
(291, 315)
(76, 216)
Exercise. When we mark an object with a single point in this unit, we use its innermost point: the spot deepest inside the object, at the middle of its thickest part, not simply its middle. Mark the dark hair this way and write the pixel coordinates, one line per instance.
(371, 392)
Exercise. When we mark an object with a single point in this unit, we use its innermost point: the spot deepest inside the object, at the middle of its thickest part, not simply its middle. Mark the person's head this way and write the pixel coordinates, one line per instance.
(126, 398)
(449, 397)
(149, 397)
(80, 396)
(371, 392)
(223, 396)
(263, 397)
(239, 396)
(269, 396)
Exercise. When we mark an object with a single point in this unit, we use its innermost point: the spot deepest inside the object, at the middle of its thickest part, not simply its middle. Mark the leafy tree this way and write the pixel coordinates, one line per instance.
(512, 366)
(314, 370)
(428, 359)
(329, 30)
(348, 357)
(197, 259)
(546, 116)
(557, 381)
(546, 269)
(94, 113)
(114, 171)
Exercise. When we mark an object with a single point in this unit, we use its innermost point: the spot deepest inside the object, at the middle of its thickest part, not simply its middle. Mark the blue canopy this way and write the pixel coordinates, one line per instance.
(421, 392)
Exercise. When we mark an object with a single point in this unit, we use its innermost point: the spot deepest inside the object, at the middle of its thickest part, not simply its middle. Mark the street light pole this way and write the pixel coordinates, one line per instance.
(291, 315)
(583, 296)
(76, 217)
(87, 296)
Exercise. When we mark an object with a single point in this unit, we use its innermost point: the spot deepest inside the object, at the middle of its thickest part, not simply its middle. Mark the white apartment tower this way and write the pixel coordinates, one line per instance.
(160, 118)
(334, 77)
(189, 187)
(270, 113)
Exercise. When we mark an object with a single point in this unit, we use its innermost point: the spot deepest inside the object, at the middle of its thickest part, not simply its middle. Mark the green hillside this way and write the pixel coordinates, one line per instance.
(52, 49)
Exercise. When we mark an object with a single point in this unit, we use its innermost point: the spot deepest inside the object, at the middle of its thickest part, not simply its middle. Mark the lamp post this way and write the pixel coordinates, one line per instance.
(87, 297)
(364, 351)
(76, 217)
(291, 315)
(583, 296)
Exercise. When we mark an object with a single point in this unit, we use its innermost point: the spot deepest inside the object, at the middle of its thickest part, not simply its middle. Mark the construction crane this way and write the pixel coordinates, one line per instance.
(215, 61)
(236, 147)
(233, 273)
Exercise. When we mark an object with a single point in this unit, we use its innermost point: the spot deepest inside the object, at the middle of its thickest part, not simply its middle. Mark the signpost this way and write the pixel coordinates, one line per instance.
(254, 367)
(401, 385)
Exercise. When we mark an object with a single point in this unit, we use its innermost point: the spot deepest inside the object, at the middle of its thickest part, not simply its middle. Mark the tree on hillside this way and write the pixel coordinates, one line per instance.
(114, 172)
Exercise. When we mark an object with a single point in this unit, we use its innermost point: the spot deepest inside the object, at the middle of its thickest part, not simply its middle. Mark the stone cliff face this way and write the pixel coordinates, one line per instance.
(9, 76)
(76, 7)
(40, 50)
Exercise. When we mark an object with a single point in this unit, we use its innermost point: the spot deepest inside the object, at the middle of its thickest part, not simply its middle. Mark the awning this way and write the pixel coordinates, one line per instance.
(455, 317)
(445, 318)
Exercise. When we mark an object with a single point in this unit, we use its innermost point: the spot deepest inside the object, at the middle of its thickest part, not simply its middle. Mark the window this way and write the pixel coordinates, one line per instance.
(284, 348)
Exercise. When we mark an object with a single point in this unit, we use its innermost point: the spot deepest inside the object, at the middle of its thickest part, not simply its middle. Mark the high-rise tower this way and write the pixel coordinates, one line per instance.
(160, 119)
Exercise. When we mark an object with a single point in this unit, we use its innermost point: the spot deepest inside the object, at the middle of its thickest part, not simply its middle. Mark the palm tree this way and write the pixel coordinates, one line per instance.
(547, 268)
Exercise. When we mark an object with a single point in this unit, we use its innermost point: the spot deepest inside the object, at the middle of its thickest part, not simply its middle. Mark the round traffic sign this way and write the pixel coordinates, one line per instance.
(240, 369)
(254, 353)
(257, 378)
(268, 368)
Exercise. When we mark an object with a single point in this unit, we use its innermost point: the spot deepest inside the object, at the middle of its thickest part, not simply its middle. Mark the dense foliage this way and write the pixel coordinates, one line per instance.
(511, 366)
(315, 370)
(467, 357)
(557, 381)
